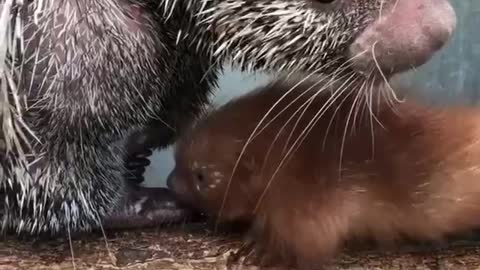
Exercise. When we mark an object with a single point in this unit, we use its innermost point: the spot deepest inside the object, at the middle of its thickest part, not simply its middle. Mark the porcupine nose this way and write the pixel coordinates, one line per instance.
(406, 35)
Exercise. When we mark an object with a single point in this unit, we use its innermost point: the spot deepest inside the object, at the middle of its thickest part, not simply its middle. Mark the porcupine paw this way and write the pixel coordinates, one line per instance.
(147, 207)
(136, 164)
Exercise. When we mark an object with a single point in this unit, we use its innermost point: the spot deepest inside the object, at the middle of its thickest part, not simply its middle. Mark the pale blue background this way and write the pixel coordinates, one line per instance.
(452, 76)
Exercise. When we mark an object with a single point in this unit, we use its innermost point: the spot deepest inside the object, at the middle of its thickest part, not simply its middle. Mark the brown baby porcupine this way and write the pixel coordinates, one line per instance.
(313, 164)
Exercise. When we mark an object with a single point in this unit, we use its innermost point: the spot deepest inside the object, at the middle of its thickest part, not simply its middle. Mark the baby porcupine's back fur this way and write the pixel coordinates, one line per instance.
(366, 169)
(77, 77)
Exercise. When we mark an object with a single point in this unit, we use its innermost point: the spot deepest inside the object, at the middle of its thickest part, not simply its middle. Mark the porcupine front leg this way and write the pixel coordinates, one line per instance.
(144, 206)
(156, 203)
(150, 206)
(177, 112)
(136, 159)
(140, 146)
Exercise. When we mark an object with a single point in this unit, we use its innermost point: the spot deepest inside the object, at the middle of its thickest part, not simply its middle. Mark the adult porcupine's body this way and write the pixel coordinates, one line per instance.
(79, 76)
(87, 74)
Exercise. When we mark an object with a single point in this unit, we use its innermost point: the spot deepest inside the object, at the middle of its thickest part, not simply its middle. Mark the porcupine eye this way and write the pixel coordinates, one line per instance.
(323, 4)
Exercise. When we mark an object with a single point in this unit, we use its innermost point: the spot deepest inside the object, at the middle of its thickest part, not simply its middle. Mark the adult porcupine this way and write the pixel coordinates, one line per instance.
(78, 76)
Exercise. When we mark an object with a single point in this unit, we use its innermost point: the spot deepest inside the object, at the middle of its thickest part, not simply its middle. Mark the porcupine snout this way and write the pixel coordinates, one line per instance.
(405, 35)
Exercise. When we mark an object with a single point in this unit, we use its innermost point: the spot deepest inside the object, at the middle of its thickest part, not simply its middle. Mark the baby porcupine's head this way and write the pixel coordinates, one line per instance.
(204, 161)
(323, 35)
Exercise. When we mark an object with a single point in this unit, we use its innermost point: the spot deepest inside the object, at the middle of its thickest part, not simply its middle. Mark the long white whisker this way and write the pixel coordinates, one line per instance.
(382, 74)
(279, 132)
(309, 102)
(70, 243)
(342, 147)
(293, 147)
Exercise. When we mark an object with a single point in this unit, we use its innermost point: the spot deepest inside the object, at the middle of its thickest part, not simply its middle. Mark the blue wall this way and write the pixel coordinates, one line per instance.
(453, 74)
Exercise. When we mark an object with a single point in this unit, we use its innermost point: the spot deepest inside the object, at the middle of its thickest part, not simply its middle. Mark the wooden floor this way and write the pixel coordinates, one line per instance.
(194, 247)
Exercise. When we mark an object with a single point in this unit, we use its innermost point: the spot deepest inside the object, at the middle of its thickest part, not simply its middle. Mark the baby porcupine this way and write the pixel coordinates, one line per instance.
(312, 165)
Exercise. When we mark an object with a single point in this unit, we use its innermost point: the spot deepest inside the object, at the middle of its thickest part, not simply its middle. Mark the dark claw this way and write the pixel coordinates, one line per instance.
(147, 207)
(136, 164)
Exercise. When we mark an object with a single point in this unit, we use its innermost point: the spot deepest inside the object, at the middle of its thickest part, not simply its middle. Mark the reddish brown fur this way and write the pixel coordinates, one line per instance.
(419, 178)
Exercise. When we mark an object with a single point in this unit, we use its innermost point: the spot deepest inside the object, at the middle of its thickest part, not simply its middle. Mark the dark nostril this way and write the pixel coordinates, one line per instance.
(200, 177)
